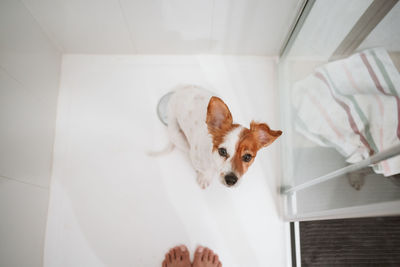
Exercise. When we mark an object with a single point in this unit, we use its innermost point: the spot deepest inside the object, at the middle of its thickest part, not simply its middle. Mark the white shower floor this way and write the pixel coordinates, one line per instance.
(112, 205)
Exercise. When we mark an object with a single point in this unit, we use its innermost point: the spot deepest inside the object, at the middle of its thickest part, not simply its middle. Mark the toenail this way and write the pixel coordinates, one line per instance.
(183, 248)
(200, 249)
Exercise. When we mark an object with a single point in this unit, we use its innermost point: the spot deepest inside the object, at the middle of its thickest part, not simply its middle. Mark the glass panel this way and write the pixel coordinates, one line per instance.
(338, 109)
(337, 193)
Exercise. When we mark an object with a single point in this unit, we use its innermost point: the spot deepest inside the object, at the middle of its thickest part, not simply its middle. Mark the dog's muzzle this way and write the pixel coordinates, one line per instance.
(231, 179)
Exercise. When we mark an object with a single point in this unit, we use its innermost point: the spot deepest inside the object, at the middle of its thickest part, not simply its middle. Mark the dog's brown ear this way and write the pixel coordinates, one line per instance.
(218, 115)
(263, 134)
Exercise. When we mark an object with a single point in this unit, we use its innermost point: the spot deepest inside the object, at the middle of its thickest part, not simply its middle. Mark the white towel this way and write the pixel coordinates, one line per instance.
(352, 105)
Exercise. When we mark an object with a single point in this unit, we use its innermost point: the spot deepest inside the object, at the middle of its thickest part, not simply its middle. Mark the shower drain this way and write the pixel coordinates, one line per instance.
(162, 108)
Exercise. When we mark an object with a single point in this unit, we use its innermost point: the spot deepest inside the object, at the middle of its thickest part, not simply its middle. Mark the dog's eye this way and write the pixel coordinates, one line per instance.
(222, 152)
(246, 157)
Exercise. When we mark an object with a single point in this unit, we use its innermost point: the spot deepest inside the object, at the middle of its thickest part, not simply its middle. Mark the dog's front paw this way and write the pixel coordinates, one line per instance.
(203, 181)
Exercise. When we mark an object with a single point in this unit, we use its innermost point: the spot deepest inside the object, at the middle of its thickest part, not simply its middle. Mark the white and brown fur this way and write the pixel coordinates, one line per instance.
(201, 124)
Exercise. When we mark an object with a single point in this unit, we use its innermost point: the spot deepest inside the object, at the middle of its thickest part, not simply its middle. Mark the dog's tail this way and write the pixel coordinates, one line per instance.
(166, 150)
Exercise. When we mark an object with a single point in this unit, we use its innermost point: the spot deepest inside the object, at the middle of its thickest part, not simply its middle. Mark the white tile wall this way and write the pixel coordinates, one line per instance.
(29, 77)
(89, 26)
(26, 136)
(23, 212)
(176, 26)
(245, 27)
(255, 27)
(26, 53)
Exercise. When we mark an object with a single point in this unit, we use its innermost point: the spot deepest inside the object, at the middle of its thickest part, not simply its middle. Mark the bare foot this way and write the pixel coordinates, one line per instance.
(177, 257)
(204, 257)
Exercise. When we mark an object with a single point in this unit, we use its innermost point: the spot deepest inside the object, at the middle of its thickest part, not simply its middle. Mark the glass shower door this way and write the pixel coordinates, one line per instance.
(339, 97)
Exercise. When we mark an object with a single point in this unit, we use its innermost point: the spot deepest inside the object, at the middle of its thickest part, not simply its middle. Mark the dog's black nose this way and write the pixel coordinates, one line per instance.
(231, 179)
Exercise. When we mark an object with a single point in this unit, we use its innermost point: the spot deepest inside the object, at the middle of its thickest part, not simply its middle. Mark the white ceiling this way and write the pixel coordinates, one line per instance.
(244, 27)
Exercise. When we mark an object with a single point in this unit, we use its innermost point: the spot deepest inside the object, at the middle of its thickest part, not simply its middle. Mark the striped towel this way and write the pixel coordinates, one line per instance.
(352, 105)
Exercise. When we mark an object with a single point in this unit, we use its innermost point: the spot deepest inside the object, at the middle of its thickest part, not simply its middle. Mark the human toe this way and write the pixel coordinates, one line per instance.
(184, 252)
(198, 254)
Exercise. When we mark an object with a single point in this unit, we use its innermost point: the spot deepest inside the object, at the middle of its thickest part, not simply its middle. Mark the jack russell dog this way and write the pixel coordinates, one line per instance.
(201, 124)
